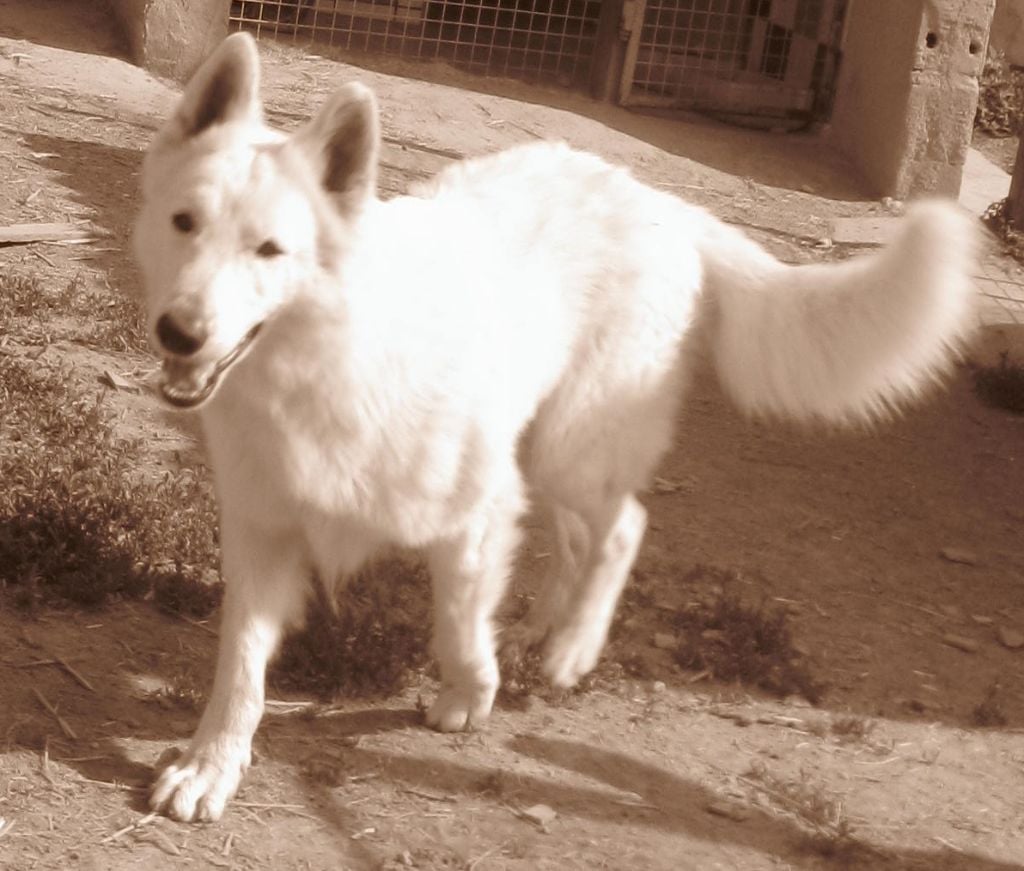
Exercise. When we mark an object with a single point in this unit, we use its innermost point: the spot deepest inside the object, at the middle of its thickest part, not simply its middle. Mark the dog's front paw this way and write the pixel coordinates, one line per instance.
(459, 709)
(196, 787)
(571, 653)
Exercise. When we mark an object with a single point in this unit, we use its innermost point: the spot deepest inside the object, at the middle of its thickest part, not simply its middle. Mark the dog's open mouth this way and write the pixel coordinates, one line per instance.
(186, 384)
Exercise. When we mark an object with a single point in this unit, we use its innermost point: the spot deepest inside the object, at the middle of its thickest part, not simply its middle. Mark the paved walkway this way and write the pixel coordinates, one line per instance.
(1001, 278)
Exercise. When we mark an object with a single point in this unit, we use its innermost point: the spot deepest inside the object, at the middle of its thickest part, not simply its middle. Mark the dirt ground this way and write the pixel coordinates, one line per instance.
(897, 554)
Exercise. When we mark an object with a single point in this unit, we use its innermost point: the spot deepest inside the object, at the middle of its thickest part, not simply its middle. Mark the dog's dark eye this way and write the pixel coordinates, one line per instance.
(183, 222)
(270, 248)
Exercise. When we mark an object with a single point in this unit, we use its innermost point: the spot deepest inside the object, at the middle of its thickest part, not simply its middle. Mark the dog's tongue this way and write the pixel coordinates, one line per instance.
(182, 381)
(186, 384)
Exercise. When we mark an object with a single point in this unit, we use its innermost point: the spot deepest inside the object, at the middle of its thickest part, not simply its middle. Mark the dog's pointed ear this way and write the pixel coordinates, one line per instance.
(342, 145)
(225, 88)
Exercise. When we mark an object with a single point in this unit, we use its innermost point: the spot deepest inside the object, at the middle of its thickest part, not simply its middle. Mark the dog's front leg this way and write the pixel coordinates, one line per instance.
(265, 591)
(469, 573)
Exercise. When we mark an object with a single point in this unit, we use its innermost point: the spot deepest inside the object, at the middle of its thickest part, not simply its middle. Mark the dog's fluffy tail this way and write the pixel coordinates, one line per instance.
(841, 342)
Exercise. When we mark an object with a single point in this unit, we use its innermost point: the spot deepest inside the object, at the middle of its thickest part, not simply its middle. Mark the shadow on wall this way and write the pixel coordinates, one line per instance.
(74, 25)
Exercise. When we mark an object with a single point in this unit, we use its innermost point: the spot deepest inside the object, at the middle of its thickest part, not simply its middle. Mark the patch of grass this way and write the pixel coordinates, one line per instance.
(22, 296)
(1000, 109)
(523, 681)
(738, 642)
(108, 320)
(78, 521)
(369, 643)
(521, 676)
(31, 309)
(121, 327)
(184, 594)
(1001, 386)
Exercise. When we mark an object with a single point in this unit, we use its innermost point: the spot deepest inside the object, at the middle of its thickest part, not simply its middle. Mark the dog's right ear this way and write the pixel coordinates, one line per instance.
(225, 88)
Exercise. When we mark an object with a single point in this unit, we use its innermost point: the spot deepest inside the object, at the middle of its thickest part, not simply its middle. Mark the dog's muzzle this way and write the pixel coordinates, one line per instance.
(186, 383)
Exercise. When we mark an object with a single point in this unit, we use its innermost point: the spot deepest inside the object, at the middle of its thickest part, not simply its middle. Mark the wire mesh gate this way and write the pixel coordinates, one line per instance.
(743, 57)
(542, 40)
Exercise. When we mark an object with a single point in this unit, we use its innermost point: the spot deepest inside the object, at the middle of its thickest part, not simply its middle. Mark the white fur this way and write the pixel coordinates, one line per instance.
(537, 304)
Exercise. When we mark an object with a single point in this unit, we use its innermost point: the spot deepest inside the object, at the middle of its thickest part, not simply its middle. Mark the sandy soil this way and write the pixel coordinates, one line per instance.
(851, 533)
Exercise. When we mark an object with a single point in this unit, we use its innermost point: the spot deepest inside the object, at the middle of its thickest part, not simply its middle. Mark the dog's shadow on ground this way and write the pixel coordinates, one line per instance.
(667, 802)
(324, 753)
(681, 806)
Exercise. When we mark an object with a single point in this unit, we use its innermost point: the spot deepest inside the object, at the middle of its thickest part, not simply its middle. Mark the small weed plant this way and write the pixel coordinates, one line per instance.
(819, 812)
(369, 642)
(739, 642)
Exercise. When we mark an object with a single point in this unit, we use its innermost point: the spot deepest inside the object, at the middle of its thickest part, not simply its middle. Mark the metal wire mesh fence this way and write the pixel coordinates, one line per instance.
(542, 40)
(748, 56)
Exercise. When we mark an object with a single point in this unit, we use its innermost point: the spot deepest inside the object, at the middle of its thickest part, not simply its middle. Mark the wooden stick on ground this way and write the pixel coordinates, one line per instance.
(64, 727)
(63, 663)
(138, 824)
(21, 234)
(74, 672)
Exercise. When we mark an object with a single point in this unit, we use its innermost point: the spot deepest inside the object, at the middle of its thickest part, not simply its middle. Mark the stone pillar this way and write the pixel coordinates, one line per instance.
(908, 89)
(171, 37)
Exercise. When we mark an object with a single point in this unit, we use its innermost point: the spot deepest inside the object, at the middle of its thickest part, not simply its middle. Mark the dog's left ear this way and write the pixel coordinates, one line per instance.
(342, 144)
(224, 89)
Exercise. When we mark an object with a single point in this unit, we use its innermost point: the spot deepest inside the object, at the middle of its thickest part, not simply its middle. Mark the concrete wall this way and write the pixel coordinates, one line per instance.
(171, 37)
(907, 91)
(1008, 30)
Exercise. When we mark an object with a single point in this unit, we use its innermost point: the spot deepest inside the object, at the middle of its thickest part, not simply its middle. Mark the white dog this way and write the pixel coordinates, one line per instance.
(369, 372)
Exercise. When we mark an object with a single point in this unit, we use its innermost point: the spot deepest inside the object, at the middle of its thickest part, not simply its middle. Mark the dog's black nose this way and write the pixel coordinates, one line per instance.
(177, 339)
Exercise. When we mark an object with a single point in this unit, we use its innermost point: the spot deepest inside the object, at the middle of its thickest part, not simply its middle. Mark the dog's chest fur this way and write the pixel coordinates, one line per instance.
(300, 438)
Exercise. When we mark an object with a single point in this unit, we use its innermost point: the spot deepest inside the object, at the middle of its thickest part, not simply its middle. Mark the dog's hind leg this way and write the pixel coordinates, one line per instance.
(616, 527)
(265, 591)
(570, 545)
(470, 572)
